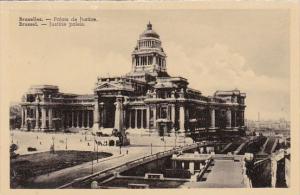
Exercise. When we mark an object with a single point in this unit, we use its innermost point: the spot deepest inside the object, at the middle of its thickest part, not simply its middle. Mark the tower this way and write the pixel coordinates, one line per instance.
(148, 55)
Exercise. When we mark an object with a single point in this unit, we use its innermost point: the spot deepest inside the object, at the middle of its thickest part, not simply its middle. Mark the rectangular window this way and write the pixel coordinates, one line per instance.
(163, 112)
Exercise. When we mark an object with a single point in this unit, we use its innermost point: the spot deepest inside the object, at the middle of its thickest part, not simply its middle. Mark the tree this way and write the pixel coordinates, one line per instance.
(13, 148)
(15, 116)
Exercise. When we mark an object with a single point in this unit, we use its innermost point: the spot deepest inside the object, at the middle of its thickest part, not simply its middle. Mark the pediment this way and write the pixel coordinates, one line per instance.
(106, 86)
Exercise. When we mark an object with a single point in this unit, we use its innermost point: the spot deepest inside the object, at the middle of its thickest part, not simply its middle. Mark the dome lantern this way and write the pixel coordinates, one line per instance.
(149, 26)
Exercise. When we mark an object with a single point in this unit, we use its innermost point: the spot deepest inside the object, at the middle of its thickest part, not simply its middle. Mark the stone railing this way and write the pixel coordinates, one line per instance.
(126, 166)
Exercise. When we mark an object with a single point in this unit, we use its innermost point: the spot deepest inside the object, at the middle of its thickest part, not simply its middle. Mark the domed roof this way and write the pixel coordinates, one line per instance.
(149, 32)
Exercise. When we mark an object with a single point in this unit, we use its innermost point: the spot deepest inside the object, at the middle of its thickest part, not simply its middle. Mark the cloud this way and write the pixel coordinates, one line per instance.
(216, 67)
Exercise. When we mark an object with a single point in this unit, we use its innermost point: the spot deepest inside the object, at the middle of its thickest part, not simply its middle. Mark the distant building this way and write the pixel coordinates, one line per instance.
(141, 99)
(268, 124)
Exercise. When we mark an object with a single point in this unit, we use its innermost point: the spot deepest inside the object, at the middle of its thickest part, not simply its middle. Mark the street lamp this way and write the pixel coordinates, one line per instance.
(53, 144)
(97, 152)
(92, 163)
(93, 153)
(66, 143)
(151, 148)
(95, 142)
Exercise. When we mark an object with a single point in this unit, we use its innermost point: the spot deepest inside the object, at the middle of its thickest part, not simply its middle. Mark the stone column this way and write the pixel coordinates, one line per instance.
(134, 61)
(154, 116)
(174, 164)
(37, 117)
(72, 119)
(101, 115)
(239, 121)
(130, 126)
(142, 116)
(25, 117)
(234, 115)
(43, 118)
(135, 119)
(96, 116)
(77, 119)
(181, 118)
(148, 117)
(242, 119)
(50, 118)
(212, 118)
(192, 167)
(147, 60)
(173, 114)
(187, 112)
(124, 117)
(119, 115)
(67, 119)
(82, 115)
(88, 119)
(228, 118)
(22, 117)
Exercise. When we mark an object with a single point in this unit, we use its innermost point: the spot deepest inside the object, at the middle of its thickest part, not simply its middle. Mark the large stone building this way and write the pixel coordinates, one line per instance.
(143, 99)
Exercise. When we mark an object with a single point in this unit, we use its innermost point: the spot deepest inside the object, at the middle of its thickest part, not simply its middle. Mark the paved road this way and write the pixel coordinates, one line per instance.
(61, 177)
(224, 174)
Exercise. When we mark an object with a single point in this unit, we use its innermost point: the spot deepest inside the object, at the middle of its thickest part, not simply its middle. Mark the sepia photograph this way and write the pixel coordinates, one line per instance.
(148, 97)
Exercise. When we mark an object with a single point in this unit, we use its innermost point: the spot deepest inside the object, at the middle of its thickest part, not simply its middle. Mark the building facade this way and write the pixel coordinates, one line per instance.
(142, 99)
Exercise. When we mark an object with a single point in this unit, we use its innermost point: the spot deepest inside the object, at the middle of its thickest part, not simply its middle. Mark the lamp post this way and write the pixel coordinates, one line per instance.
(53, 144)
(66, 143)
(94, 143)
(97, 152)
(151, 148)
(93, 153)
(92, 162)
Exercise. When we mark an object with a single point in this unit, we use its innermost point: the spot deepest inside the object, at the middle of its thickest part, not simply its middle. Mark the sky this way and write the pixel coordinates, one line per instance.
(213, 49)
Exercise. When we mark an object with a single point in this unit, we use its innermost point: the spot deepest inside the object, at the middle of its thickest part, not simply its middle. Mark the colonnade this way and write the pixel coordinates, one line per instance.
(44, 117)
(148, 60)
(141, 117)
(78, 118)
(138, 118)
(135, 117)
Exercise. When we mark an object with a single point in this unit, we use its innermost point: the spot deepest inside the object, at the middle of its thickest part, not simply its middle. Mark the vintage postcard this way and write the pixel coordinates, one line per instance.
(184, 96)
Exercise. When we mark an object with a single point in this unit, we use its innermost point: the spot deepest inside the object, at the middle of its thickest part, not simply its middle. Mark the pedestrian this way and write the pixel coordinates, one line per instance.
(40, 143)
(126, 151)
